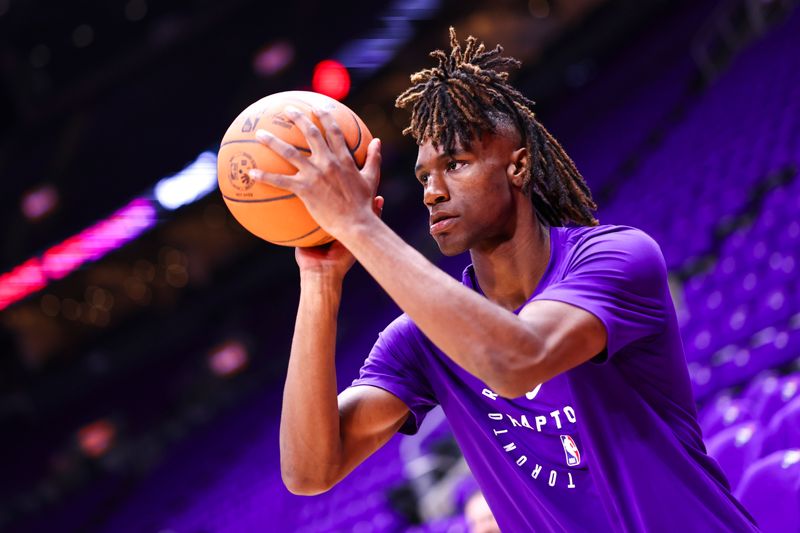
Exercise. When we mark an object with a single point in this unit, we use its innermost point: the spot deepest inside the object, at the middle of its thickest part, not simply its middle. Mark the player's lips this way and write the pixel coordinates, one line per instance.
(441, 222)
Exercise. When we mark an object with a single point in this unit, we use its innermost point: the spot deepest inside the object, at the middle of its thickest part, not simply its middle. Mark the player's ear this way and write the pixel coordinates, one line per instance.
(517, 168)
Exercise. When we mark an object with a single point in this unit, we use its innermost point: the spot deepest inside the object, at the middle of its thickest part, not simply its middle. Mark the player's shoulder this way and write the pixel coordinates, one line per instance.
(618, 236)
(401, 324)
(604, 232)
(626, 246)
(403, 339)
(401, 330)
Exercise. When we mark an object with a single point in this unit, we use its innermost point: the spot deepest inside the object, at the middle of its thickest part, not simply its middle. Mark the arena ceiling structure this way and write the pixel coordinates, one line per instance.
(99, 101)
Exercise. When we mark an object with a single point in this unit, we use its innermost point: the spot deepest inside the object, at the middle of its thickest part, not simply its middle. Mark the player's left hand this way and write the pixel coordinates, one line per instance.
(336, 193)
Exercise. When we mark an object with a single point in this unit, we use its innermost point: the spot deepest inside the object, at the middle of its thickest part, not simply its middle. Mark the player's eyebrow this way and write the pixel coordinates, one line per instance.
(443, 155)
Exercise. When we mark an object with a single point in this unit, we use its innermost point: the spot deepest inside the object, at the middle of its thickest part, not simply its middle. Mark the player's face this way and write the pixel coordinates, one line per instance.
(469, 192)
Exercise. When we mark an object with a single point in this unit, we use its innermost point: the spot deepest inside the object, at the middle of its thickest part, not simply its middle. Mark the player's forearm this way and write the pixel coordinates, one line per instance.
(480, 336)
(310, 442)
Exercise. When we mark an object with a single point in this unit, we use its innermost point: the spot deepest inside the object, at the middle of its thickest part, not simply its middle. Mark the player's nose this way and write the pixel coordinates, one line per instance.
(436, 190)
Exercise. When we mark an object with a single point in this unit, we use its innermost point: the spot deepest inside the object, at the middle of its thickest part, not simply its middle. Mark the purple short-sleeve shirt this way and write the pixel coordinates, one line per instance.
(611, 445)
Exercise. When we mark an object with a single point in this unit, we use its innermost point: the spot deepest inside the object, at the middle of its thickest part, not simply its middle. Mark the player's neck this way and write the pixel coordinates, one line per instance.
(509, 273)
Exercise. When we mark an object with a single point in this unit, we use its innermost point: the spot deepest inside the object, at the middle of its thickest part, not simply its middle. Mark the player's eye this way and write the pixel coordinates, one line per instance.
(423, 178)
(454, 164)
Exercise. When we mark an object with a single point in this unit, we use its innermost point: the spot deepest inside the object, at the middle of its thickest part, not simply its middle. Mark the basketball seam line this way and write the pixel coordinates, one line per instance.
(297, 238)
(307, 150)
(259, 200)
(235, 141)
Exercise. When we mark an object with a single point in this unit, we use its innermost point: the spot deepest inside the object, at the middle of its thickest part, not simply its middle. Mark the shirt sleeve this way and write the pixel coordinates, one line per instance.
(395, 365)
(619, 276)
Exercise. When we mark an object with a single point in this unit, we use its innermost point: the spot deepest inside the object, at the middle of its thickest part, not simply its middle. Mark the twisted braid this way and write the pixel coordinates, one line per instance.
(467, 94)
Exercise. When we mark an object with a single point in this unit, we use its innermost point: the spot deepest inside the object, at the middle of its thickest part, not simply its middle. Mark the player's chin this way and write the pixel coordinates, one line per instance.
(449, 245)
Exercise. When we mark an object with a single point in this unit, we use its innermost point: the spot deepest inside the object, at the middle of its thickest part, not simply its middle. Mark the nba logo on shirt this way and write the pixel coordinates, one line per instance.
(571, 450)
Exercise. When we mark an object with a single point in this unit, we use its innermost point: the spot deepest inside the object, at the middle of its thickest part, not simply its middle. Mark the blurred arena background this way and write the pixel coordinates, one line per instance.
(145, 334)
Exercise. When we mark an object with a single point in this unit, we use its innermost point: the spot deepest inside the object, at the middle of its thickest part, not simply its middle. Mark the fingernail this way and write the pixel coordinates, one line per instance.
(292, 110)
(262, 135)
(254, 173)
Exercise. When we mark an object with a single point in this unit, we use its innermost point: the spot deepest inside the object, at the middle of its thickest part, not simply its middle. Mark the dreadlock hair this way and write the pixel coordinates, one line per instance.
(468, 94)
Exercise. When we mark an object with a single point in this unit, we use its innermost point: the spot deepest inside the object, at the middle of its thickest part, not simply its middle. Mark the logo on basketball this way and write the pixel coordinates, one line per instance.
(240, 165)
(250, 124)
(280, 119)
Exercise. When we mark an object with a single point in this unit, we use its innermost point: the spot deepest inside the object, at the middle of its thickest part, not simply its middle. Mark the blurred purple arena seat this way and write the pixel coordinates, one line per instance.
(774, 398)
(726, 414)
(708, 413)
(783, 431)
(761, 384)
(735, 448)
(770, 490)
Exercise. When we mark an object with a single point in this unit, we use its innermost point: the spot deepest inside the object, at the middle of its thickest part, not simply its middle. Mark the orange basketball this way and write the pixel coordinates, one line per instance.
(276, 215)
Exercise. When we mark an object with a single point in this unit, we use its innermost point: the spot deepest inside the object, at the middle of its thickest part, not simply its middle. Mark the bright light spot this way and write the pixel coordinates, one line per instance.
(331, 79)
(790, 458)
(96, 438)
(228, 359)
(190, 184)
(39, 202)
(96, 241)
(788, 391)
(273, 58)
(22, 281)
(731, 414)
(743, 435)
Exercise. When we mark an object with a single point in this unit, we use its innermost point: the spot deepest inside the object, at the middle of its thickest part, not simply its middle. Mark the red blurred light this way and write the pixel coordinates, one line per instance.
(96, 438)
(331, 79)
(88, 245)
(22, 281)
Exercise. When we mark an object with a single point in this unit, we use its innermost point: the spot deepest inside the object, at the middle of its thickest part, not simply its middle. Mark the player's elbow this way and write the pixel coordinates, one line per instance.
(304, 485)
(516, 378)
(306, 479)
(305, 489)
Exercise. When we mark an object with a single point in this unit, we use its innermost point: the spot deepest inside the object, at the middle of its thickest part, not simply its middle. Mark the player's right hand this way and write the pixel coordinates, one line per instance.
(332, 258)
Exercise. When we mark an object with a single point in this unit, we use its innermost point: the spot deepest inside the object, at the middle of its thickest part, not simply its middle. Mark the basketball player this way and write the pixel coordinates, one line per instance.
(479, 516)
(557, 359)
